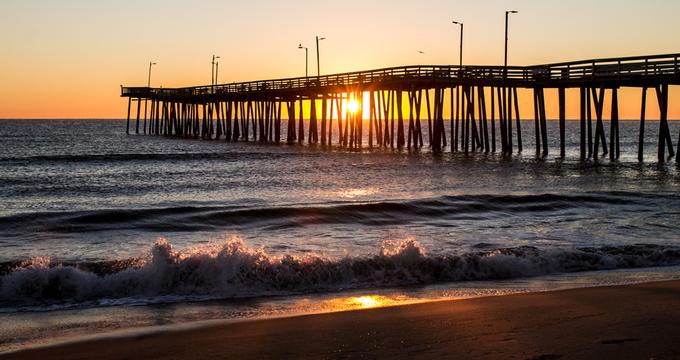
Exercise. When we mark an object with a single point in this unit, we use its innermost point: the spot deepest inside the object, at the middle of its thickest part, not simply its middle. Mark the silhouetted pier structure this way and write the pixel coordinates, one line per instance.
(483, 102)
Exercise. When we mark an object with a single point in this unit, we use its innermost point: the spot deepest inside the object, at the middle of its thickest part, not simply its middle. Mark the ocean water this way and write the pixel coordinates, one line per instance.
(100, 231)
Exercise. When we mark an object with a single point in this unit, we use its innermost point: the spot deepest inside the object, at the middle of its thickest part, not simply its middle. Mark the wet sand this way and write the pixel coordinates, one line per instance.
(625, 322)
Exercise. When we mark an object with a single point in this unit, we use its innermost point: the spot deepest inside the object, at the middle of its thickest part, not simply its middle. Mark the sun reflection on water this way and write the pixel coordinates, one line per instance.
(365, 302)
(357, 193)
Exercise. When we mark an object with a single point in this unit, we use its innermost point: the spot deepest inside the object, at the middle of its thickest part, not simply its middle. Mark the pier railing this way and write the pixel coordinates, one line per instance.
(609, 69)
(550, 75)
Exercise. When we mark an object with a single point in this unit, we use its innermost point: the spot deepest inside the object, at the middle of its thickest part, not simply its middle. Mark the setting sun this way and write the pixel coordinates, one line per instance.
(353, 106)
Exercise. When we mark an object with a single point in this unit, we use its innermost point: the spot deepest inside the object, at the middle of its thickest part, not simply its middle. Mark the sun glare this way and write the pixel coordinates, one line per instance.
(366, 301)
(353, 106)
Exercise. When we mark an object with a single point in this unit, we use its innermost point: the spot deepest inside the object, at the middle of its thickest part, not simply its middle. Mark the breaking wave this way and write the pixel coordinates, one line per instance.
(230, 269)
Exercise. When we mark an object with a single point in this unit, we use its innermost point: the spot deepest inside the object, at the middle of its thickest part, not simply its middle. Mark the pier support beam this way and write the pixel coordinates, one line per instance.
(615, 147)
(139, 105)
(493, 120)
(599, 127)
(291, 137)
(418, 100)
(401, 141)
(374, 105)
(338, 105)
(483, 119)
(301, 123)
(589, 114)
(324, 119)
(411, 120)
(313, 136)
(331, 101)
(128, 116)
(537, 122)
(664, 131)
(360, 120)
(468, 119)
(544, 124)
(518, 120)
(228, 108)
(582, 96)
(455, 142)
(562, 105)
(454, 119)
(540, 122)
(429, 117)
(502, 120)
(237, 108)
(507, 104)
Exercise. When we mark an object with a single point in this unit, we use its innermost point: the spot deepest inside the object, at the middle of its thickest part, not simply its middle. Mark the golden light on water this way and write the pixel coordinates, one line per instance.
(357, 193)
(353, 303)
(366, 302)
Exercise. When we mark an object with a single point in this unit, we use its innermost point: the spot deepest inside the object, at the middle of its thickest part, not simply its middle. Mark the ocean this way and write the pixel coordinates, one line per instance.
(102, 232)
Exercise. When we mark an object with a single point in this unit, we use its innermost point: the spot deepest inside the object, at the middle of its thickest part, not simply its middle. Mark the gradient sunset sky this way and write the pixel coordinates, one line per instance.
(68, 58)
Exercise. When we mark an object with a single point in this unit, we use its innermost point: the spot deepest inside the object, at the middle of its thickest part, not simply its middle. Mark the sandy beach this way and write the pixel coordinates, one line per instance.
(624, 322)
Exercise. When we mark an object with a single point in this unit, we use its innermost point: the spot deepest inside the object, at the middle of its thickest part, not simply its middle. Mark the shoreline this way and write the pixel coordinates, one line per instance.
(629, 321)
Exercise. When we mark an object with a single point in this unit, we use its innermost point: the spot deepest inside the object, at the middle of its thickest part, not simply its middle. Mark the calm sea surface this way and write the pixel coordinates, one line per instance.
(101, 231)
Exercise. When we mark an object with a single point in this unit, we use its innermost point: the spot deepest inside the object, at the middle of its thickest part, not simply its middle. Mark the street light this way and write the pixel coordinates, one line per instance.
(318, 64)
(306, 59)
(212, 74)
(507, 15)
(151, 63)
(461, 41)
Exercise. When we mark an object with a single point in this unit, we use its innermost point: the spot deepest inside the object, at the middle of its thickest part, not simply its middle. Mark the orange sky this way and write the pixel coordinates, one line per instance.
(68, 58)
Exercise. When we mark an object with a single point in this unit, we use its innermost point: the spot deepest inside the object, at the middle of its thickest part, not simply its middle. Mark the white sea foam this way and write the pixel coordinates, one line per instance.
(231, 269)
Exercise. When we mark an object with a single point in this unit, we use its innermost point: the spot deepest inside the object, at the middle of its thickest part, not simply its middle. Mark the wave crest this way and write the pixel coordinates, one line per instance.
(379, 213)
(231, 269)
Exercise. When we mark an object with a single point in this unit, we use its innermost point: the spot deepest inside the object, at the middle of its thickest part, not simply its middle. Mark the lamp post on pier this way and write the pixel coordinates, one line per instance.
(318, 62)
(306, 59)
(212, 75)
(461, 41)
(151, 63)
(148, 84)
(507, 16)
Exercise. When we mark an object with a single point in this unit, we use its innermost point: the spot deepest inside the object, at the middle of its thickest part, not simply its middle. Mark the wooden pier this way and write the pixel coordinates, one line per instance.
(484, 103)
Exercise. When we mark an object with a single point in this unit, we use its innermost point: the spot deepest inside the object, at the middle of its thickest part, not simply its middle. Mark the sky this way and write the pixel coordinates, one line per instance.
(68, 58)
